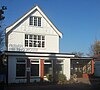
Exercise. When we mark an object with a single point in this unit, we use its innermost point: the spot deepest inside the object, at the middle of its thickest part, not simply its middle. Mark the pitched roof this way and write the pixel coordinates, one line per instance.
(27, 14)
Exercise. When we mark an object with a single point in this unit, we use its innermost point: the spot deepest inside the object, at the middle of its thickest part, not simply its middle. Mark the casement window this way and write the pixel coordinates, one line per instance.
(20, 67)
(48, 70)
(35, 21)
(34, 67)
(34, 40)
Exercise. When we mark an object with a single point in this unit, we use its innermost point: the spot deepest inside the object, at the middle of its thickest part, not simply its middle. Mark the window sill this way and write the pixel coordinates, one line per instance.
(21, 77)
(35, 26)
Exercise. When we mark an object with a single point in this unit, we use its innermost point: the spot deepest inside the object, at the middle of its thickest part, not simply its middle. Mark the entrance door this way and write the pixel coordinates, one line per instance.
(79, 71)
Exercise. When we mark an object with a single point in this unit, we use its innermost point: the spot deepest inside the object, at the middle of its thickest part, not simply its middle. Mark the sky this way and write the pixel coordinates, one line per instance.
(78, 20)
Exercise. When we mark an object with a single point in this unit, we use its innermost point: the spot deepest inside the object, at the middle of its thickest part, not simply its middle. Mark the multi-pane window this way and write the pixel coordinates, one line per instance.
(34, 40)
(34, 67)
(36, 21)
(48, 67)
(20, 67)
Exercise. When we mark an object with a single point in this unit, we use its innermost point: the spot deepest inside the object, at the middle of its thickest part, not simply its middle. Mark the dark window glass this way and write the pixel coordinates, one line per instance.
(43, 38)
(31, 20)
(35, 43)
(26, 36)
(20, 70)
(47, 69)
(43, 44)
(34, 69)
(39, 37)
(30, 36)
(35, 21)
(39, 21)
(39, 43)
(35, 37)
(26, 43)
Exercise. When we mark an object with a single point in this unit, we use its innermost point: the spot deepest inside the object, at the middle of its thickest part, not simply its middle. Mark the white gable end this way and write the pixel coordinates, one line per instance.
(34, 12)
(16, 34)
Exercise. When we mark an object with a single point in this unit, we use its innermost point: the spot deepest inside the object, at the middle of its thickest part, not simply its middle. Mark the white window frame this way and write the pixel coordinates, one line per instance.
(37, 41)
(33, 62)
(48, 63)
(21, 63)
(35, 21)
(60, 63)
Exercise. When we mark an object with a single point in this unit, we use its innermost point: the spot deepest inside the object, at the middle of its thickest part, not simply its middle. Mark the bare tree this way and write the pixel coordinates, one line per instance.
(95, 48)
(2, 31)
(78, 54)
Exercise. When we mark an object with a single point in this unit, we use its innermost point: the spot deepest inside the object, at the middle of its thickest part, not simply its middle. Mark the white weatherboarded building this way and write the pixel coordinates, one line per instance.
(33, 49)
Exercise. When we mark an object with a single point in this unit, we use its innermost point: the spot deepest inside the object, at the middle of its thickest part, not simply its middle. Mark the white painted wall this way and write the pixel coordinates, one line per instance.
(67, 68)
(11, 69)
(17, 36)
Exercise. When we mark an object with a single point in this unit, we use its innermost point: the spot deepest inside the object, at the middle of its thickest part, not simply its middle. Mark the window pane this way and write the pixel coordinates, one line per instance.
(43, 44)
(30, 36)
(35, 37)
(35, 43)
(39, 21)
(59, 68)
(30, 44)
(47, 69)
(20, 60)
(26, 36)
(35, 21)
(39, 43)
(34, 69)
(20, 70)
(48, 61)
(26, 43)
(43, 38)
(31, 20)
(39, 37)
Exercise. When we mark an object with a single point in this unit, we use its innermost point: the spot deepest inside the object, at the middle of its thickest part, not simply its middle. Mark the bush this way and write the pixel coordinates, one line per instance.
(61, 78)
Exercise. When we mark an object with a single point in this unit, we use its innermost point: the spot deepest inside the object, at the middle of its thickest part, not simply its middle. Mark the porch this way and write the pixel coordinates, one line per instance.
(83, 67)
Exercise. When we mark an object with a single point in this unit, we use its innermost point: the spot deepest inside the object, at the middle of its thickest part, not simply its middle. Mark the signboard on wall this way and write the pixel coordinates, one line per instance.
(28, 69)
(19, 47)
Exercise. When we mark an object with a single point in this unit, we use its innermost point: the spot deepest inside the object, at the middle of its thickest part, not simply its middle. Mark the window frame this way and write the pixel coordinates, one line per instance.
(34, 62)
(36, 41)
(35, 21)
(50, 63)
(20, 61)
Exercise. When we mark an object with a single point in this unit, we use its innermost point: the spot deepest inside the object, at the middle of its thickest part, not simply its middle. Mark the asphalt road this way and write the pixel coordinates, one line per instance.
(75, 86)
(83, 84)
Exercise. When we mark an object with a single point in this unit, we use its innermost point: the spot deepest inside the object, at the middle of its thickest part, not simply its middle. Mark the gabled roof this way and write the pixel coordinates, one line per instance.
(27, 14)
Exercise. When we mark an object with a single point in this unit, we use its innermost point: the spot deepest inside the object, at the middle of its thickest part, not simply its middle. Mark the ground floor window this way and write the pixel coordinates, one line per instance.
(59, 66)
(47, 67)
(34, 67)
(20, 67)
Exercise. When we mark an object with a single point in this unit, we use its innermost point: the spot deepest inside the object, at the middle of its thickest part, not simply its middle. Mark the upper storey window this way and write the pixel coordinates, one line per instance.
(34, 40)
(35, 21)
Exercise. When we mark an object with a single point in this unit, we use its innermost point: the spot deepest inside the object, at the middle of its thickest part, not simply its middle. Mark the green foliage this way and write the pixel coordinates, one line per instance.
(61, 78)
(49, 77)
